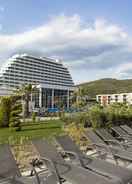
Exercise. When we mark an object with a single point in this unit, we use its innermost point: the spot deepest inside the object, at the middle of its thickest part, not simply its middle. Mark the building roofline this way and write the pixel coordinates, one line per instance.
(56, 87)
(50, 59)
(113, 94)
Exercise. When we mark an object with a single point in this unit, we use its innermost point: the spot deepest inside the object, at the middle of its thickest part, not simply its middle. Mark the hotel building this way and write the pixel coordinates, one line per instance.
(107, 99)
(52, 78)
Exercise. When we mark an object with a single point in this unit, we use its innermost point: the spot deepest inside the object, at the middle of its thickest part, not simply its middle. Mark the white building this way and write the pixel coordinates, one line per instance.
(51, 77)
(6, 91)
(106, 99)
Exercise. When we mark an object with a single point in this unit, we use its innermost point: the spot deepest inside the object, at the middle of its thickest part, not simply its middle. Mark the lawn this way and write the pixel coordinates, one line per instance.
(30, 130)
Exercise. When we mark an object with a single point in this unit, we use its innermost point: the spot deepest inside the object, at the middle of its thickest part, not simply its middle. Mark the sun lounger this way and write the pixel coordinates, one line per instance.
(9, 171)
(97, 142)
(69, 172)
(110, 140)
(122, 134)
(116, 152)
(127, 129)
(106, 136)
(8, 166)
(97, 165)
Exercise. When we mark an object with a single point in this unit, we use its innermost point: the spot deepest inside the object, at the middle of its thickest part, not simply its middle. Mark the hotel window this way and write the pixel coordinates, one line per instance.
(116, 98)
(109, 99)
(124, 98)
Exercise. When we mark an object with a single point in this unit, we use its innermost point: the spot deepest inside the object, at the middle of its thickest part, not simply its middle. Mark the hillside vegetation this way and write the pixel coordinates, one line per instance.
(106, 86)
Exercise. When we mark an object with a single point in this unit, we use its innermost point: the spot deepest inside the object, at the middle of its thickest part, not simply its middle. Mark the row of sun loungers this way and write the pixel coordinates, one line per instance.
(109, 139)
(127, 129)
(76, 167)
(72, 173)
(97, 165)
(60, 170)
(122, 134)
(103, 140)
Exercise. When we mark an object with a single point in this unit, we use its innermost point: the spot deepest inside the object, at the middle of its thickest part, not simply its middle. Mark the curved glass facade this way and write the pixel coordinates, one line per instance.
(52, 78)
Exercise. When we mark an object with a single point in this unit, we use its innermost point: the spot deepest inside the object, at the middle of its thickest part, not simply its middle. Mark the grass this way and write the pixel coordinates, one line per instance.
(30, 130)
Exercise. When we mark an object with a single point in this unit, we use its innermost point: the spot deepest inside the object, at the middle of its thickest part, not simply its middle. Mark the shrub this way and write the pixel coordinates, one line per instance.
(34, 117)
(15, 127)
(97, 117)
(75, 132)
(5, 109)
(10, 109)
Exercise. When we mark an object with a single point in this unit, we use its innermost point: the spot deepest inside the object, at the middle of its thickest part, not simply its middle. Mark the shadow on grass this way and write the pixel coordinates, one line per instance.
(37, 123)
(42, 128)
(31, 124)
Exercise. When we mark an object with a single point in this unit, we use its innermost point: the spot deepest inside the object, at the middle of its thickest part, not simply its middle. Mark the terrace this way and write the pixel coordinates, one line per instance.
(56, 158)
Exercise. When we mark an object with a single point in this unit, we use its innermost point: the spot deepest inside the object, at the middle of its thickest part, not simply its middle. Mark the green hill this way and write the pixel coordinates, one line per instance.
(106, 86)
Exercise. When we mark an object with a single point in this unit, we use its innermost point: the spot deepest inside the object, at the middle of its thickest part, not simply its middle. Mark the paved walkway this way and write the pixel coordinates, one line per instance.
(42, 119)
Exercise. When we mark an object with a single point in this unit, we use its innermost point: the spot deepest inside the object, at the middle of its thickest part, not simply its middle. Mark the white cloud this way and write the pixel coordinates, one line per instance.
(124, 70)
(84, 47)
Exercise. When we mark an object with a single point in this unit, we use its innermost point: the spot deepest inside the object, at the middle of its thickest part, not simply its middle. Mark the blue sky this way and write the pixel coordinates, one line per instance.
(94, 38)
(24, 14)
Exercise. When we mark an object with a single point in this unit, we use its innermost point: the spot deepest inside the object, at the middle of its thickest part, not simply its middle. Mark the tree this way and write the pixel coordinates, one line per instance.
(80, 97)
(10, 109)
(5, 109)
(15, 114)
(25, 92)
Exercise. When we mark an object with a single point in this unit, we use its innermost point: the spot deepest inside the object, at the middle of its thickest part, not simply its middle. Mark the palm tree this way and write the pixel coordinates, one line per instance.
(79, 95)
(25, 91)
